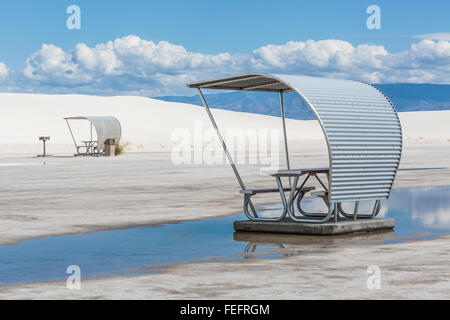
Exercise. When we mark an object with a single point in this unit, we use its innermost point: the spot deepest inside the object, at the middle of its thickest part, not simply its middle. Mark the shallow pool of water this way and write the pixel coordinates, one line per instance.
(419, 213)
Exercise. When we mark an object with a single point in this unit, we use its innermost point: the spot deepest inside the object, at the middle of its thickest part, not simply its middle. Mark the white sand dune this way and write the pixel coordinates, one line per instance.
(148, 124)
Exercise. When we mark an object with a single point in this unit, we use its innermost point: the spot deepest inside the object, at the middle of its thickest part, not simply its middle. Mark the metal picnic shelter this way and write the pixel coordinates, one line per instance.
(363, 134)
(105, 128)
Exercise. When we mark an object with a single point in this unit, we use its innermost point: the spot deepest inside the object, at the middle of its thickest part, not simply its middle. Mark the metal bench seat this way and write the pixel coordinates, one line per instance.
(319, 194)
(248, 193)
(270, 190)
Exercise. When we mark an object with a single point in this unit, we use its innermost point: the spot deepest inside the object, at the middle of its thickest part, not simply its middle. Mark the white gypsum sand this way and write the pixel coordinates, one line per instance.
(51, 196)
(149, 124)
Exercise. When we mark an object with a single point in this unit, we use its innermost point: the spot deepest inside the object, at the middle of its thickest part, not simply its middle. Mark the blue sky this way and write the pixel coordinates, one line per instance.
(213, 28)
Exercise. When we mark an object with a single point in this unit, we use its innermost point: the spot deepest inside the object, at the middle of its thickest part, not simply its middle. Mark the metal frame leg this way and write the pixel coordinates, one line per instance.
(300, 196)
(291, 212)
(309, 214)
(248, 203)
(355, 215)
(325, 218)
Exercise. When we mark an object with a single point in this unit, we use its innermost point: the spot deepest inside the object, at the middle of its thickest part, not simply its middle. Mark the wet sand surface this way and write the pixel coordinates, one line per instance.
(410, 270)
(41, 197)
(53, 196)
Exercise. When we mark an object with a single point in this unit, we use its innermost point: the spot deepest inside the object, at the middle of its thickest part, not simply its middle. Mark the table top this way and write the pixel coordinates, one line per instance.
(296, 172)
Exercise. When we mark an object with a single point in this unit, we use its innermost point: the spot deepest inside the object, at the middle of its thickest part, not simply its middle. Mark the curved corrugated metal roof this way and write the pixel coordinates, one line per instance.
(360, 124)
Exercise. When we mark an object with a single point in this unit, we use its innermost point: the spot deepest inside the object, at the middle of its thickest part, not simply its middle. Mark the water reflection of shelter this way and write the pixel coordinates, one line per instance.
(362, 131)
(289, 243)
(105, 128)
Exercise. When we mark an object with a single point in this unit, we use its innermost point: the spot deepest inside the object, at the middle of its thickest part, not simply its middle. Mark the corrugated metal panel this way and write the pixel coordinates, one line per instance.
(363, 133)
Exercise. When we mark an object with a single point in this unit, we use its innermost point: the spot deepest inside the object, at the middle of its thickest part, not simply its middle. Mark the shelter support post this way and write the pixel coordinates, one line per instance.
(225, 149)
(355, 212)
(336, 213)
(71, 133)
(285, 135)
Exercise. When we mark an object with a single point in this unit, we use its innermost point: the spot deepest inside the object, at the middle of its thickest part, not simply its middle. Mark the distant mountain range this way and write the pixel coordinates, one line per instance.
(405, 96)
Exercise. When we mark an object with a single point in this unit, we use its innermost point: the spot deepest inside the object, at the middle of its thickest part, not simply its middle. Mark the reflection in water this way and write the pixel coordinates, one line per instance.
(419, 213)
(283, 240)
(251, 247)
(264, 250)
(425, 208)
(287, 245)
(428, 207)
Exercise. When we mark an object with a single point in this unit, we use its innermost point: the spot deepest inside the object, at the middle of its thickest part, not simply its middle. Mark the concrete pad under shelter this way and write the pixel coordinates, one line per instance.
(324, 229)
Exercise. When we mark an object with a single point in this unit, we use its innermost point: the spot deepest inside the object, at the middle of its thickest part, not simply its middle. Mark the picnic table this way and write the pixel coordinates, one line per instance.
(89, 145)
(299, 192)
(295, 192)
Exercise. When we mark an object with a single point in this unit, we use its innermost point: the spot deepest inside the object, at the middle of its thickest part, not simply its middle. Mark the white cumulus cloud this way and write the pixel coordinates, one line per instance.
(134, 56)
(425, 61)
(51, 64)
(4, 71)
(335, 58)
(434, 36)
(138, 66)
